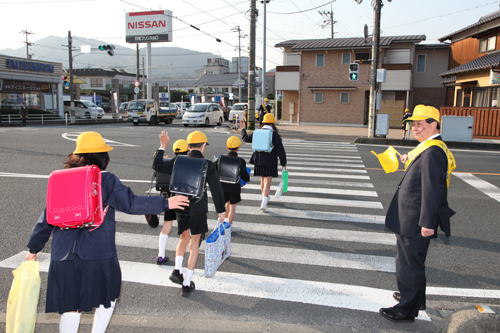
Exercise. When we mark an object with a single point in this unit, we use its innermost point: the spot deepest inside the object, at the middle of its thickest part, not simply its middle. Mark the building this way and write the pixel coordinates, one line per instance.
(213, 66)
(473, 77)
(221, 85)
(38, 83)
(233, 68)
(315, 85)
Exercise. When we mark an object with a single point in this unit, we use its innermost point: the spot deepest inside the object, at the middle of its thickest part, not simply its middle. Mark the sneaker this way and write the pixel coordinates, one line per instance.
(264, 208)
(202, 238)
(176, 277)
(186, 290)
(161, 260)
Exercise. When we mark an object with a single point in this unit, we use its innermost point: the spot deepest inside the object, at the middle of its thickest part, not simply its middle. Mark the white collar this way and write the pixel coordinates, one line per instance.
(267, 127)
(430, 138)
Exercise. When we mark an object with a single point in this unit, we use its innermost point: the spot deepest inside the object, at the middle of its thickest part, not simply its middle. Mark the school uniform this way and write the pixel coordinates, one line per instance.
(84, 270)
(232, 192)
(266, 164)
(195, 218)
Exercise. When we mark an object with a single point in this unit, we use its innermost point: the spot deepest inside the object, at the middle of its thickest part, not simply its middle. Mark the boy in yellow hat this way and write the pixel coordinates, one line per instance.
(232, 191)
(193, 223)
(180, 148)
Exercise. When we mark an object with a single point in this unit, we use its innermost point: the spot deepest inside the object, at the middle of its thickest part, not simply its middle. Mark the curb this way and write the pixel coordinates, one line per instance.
(414, 143)
(471, 320)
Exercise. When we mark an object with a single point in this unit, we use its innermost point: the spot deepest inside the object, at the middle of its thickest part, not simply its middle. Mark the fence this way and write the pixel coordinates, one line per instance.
(47, 118)
(486, 120)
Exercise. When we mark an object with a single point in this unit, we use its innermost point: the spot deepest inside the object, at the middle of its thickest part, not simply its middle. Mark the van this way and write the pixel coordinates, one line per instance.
(203, 114)
(84, 109)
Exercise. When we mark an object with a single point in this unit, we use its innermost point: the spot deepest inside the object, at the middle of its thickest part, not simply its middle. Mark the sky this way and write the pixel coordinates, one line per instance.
(286, 19)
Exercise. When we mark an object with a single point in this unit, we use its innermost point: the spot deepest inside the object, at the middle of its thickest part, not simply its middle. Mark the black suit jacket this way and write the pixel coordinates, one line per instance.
(422, 196)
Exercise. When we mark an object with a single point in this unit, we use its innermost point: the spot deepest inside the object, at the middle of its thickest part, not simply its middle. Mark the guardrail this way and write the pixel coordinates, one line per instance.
(47, 118)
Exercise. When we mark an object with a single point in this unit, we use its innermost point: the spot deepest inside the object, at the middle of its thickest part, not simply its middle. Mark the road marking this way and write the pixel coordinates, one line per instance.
(287, 231)
(332, 150)
(21, 175)
(305, 157)
(318, 190)
(329, 164)
(319, 169)
(74, 135)
(329, 183)
(482, 185)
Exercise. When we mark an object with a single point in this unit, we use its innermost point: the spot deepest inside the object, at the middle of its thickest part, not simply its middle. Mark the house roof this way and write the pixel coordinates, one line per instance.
(485, 19)
(342, 43)
(180, 83)
(487, 61)
(101, 72)
(226, 79)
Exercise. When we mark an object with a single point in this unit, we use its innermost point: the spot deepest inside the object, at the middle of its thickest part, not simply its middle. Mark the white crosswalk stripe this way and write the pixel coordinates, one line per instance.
(330, 218)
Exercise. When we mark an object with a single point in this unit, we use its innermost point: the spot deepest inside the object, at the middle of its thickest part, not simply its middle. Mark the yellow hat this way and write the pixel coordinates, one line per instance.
(407, 110)
(233, 142)
(197, 137)
(91, 142)
(268, 119)
(422, 112)
(180, 146)
(265, 100)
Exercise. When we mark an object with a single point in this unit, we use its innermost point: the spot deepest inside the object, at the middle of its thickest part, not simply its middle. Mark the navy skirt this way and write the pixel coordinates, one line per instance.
(265, 171)
(82, 285)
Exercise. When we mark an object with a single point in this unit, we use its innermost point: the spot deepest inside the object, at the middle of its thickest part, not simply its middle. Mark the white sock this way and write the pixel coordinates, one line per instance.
(265, 200)
(187, 278)
(162, 245)
(226, 219)
(69, 322)
(102, 317)
(178, 263)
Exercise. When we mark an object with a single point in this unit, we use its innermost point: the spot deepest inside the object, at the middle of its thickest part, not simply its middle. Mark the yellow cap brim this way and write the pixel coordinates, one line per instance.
(417, 118)
(102, 149)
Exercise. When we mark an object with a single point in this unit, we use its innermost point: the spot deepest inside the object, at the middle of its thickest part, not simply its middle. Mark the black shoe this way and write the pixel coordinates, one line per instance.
(186, 290)
(161, 260)
(176, 277)
(152, 220)
(397, 296)
(393, 314)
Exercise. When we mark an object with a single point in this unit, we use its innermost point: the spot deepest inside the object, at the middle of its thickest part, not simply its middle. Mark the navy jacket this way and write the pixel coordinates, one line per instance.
(212, 180)
(99, 243)
(267, 159)
(422, 197)
(235, 188)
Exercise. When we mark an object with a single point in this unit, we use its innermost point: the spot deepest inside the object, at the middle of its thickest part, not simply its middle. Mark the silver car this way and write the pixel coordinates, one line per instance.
(203, 114)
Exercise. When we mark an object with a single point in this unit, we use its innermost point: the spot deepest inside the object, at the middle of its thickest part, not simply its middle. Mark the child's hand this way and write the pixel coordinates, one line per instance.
(221, 216)
(242, 124)
(164, 139)
(178, 202)
(31, 256)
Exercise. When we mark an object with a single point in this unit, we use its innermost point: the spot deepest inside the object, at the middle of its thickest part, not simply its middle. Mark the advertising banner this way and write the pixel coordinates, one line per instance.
(150, 26)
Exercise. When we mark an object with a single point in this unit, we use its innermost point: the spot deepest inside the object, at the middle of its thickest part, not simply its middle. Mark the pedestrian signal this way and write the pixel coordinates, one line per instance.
(353, 72)
(109, 48)
(65, 81)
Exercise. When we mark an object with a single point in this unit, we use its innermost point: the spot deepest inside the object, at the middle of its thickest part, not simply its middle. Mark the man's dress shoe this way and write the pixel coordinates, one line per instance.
(397, 296)
(393, 314)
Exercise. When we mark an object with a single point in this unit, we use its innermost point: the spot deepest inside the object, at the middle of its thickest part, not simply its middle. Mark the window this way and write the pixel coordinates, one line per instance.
(96, 82)
(320, 60)
(487, 44)
(318, 97)
(363, 56)
(344, 97)
(346, 58)
(421, 63)
(225, 90)
(481, 97)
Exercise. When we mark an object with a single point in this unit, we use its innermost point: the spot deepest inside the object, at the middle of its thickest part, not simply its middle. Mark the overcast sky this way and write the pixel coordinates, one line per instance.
(286, 19)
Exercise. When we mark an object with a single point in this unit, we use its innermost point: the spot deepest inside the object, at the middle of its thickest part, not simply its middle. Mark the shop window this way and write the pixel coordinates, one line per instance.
(344, 97)
(421, 63)
(320, 60)
(97, 82)
(346, 58)
(318, 97)
(487, 44)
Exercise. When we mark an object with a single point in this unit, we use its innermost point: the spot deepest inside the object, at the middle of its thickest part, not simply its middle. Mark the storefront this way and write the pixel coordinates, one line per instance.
(38, 83)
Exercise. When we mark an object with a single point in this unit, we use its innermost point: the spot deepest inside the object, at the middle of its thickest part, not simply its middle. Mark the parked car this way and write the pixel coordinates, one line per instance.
(182, 108)
(203, 114)
(10, 105)
(84, 109)
(238, 110)
(105, 106)
(123, 107)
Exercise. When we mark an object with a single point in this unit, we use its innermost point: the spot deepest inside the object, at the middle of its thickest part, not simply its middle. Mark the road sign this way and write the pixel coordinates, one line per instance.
(136, 83)
(136, 90)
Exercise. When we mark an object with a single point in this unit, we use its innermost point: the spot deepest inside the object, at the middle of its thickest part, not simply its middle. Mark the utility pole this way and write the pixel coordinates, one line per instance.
(328, 15)
(137, 73)
(28, 44)
(143, 69)
(264, 60)
(251, 67)
(240, 36)
(377, 8)
(71, 87)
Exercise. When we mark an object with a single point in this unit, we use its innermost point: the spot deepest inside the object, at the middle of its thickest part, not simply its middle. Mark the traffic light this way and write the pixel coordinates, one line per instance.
(109, 48)
(353, 72)
(65, 81)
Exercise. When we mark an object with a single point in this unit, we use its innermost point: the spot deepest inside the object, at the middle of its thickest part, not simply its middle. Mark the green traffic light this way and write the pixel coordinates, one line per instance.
(353, 76)
(101, 47)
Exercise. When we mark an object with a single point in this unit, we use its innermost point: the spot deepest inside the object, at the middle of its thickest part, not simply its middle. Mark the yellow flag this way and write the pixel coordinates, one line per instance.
(388, 159)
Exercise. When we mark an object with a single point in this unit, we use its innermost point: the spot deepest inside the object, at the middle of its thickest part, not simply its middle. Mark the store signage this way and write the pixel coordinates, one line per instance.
(494, 76)
(25, 86)
(150, 26)
(29, 66)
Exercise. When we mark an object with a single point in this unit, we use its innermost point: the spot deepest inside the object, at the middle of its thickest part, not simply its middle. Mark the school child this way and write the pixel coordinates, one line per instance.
(180, 148)
(406, 115)
(232, 192)
(193, 222)
(84, 272)
(266, 164)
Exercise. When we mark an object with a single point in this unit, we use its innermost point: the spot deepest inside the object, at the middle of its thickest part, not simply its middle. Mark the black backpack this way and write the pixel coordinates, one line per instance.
(163, 179)
(189, 176)
(229, 169)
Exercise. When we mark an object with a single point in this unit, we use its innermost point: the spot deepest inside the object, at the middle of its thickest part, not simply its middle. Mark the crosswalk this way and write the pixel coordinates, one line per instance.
(330, 223)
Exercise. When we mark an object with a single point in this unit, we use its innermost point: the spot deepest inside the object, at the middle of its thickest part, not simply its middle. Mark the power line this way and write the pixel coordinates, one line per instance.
(303, 11)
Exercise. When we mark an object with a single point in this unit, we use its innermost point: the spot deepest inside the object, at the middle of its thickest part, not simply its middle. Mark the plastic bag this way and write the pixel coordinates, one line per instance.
(23, 298)
(283, 185)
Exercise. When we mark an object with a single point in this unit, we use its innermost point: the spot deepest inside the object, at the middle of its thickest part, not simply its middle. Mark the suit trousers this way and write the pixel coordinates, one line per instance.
(410, 273)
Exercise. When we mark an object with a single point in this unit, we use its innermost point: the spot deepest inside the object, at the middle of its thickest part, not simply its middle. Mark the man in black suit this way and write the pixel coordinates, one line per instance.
(419, 206)
(24, 113)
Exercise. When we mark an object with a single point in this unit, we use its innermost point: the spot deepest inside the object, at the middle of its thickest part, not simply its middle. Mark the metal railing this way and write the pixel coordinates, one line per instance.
(486, 120)
(47, 118)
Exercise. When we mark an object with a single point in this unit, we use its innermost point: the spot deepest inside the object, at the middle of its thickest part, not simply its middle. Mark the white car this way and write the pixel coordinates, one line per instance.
(182, 109)
(203, 114)
(84, 109)
(237, 112)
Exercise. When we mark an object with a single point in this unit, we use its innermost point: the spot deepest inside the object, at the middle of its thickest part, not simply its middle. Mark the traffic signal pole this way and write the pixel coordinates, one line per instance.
(251, 68)
(71, 88)
(374, 64)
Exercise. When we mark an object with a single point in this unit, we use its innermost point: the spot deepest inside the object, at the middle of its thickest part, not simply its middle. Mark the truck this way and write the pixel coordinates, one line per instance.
(148, 111)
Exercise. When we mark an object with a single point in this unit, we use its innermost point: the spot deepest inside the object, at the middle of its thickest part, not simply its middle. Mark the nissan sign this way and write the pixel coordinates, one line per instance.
(152, 26)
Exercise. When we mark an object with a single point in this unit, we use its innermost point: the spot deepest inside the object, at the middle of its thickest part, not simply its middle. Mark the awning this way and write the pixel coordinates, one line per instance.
(465, 83)
(76, 79)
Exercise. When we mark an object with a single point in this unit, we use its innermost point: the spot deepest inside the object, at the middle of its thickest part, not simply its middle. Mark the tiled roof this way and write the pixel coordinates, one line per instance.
(487, 61)
(342, 43)
(450, 79)
(481, 21)
(227, 79)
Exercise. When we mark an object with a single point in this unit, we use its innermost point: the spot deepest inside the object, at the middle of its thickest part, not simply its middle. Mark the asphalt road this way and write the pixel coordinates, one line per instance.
(310, 262)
